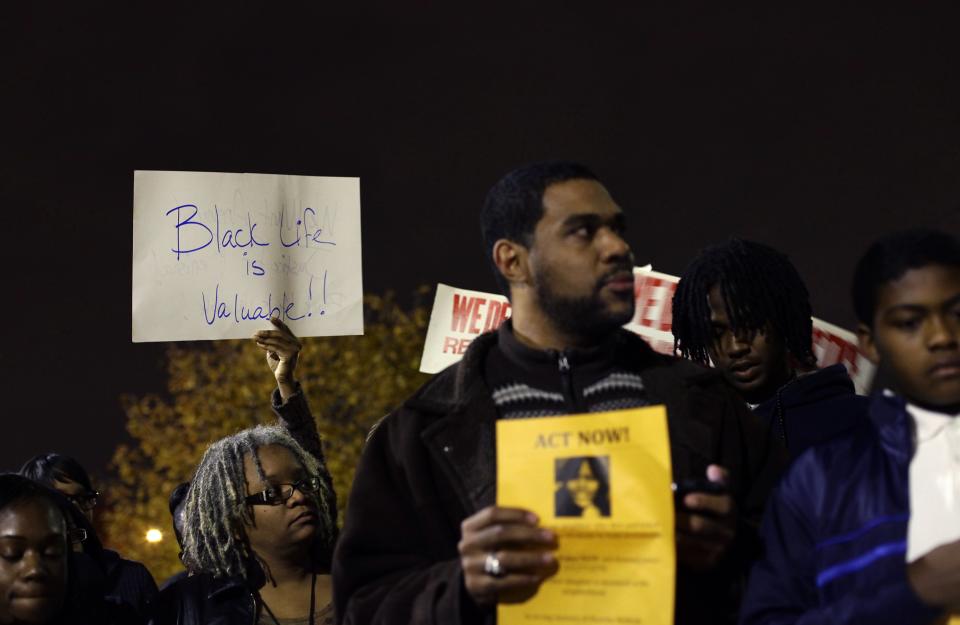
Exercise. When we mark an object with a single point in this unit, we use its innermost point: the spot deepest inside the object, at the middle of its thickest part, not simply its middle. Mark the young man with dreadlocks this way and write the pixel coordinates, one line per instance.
(259, 520)
(743, 305)
(424, 542)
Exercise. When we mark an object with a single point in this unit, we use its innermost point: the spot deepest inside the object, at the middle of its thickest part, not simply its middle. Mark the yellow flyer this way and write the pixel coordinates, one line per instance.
(602, 482)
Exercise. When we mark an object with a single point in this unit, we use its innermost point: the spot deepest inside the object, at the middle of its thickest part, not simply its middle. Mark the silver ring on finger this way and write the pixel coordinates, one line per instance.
(492, 566)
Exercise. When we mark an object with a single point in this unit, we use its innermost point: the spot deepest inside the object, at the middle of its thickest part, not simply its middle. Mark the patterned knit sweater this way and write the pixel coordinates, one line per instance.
(527, 382)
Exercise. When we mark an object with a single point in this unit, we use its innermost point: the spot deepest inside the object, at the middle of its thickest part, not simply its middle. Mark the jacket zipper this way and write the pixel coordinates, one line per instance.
(566, 380)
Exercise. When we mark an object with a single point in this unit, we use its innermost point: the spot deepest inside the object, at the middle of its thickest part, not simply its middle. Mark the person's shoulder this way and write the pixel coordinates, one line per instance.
(438, 391)
(443, 393)
(830, 385)
(428, 400)
(189, 591)
(179, 596)
(815, 481)
(134, 570)
(176, 577)
(833, 460)
(183, 587)
(845, 446)
(100, 611)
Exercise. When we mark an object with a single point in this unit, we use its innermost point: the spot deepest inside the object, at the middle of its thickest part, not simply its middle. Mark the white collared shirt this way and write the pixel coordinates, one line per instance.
(934, 482)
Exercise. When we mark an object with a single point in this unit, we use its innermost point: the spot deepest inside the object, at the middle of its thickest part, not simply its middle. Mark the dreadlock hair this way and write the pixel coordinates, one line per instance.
(215, 512)
(891, 257)
(759, 286)
(514, 205)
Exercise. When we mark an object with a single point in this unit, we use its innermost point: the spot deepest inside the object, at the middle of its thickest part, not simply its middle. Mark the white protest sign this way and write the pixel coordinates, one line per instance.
(653, 317)
(832, 345)
(460, 315)
(217, 254)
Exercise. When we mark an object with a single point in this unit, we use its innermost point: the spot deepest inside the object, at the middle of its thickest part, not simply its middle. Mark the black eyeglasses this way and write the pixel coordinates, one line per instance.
(279, 493)
(86, 502)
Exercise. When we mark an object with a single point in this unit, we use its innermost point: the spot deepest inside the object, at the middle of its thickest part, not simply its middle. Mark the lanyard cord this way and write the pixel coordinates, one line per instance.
(313, 596)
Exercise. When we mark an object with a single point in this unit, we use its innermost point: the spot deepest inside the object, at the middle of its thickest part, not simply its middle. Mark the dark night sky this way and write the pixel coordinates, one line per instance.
(813, 133)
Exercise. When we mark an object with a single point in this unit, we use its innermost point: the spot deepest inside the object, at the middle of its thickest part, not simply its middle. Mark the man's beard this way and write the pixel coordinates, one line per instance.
(586, 316)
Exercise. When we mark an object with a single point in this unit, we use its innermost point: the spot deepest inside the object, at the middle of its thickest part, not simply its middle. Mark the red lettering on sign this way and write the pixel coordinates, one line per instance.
(464, 343)
(654, 297)
(493, 315)
(475, 316)
(451, 343)
(462, 307)
(832, 349)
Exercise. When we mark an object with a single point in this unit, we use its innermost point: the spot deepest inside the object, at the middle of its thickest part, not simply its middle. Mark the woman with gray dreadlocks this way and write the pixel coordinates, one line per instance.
(260, 518)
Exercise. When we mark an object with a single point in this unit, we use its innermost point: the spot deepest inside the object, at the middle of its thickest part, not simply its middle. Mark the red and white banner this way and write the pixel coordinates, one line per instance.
(460, 315)
(653, 318)
(832, 344)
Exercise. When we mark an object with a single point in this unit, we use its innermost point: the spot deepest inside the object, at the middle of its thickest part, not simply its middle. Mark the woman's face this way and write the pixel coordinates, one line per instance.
(291, 524)
(33, 562)
(584, 486)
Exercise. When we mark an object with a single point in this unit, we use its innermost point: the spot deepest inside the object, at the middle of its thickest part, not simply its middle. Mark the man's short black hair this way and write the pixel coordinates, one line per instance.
(759, 286)
(514, 204)
(50, 468)
(894, 255)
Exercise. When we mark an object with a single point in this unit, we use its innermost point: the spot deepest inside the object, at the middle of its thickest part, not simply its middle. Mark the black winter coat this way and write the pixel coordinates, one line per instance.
(814, 408)
(129, 582)
(204, 600)
(431, 464)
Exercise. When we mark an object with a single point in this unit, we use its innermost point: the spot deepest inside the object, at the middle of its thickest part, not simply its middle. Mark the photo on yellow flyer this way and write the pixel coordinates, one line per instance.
(602, 482)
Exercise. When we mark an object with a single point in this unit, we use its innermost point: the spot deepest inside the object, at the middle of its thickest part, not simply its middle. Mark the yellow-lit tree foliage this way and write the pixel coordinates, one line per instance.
(217, 388)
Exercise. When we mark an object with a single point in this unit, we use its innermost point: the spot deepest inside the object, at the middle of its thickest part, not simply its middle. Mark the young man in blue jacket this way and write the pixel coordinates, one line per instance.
(849, 535)
(743, 306)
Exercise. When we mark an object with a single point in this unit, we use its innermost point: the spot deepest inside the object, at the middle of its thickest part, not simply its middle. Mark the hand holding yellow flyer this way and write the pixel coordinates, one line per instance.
(602, 482)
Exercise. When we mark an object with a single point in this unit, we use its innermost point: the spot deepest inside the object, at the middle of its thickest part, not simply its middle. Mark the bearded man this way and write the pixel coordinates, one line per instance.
(425, 543)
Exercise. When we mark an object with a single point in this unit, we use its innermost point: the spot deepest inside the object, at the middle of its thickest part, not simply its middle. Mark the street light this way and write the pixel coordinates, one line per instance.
(154, 535)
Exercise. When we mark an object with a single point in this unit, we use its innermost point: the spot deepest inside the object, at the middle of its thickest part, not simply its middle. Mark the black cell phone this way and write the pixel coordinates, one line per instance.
(689, 485)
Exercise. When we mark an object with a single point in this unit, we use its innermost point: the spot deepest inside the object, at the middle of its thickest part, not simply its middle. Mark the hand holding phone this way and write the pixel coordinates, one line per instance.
(689, 485)
(706, 519)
